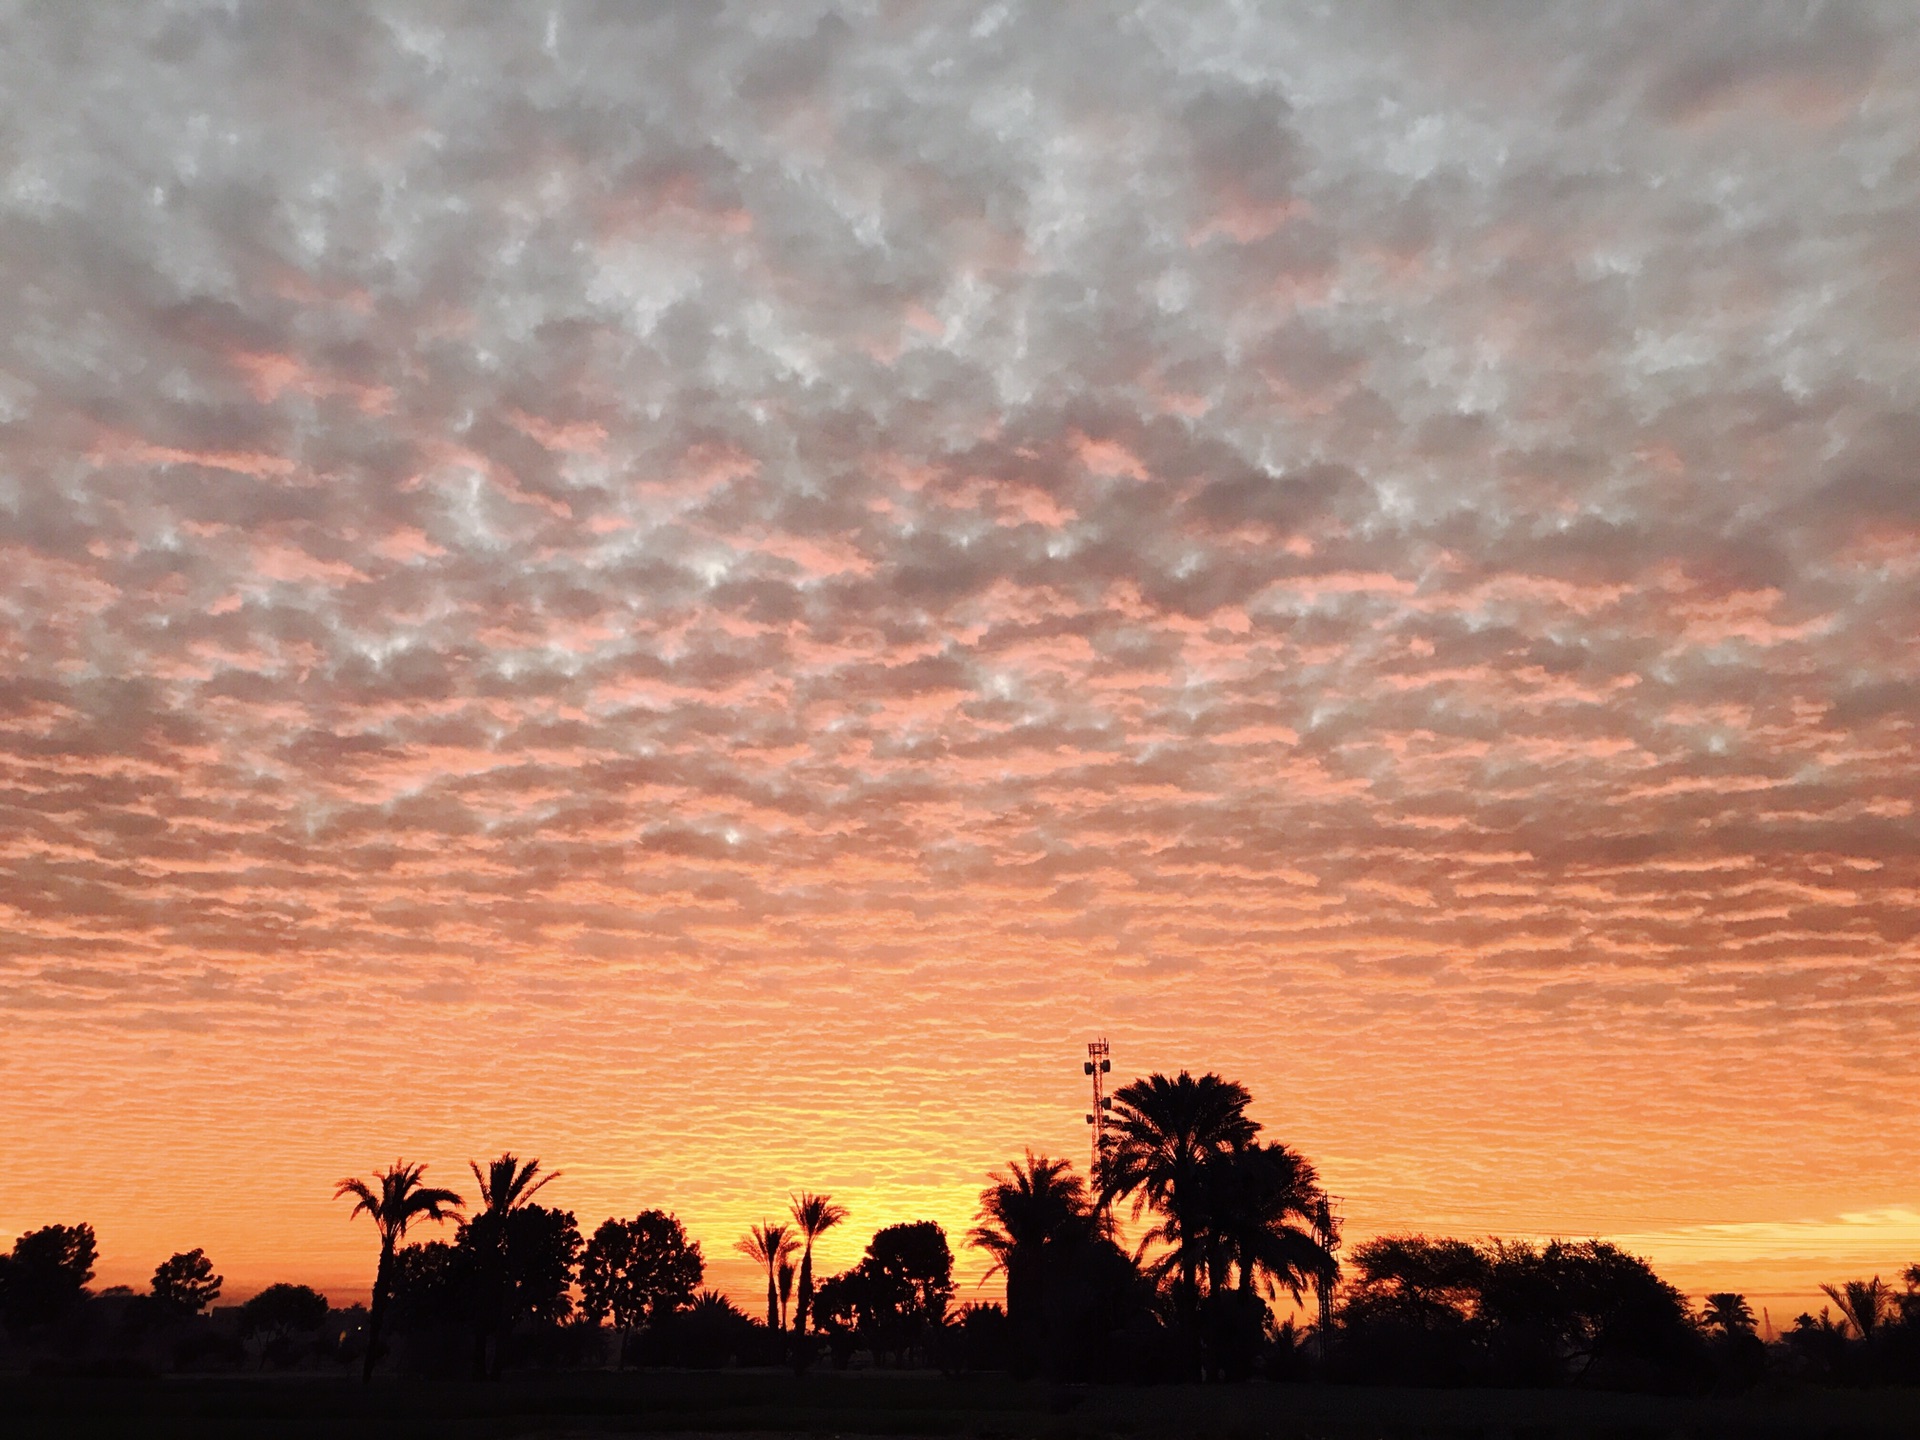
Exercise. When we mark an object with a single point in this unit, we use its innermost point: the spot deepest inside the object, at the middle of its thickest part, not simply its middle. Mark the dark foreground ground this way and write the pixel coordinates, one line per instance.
(765, 1404)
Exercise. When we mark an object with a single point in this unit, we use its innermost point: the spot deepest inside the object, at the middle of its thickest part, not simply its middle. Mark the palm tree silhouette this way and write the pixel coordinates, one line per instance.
(1865, 1303)
(1029, 1209)
(769, 1244)
(1259, 1206)
(1162, 1134)
(1728, 1313)
(506, 1185)
(399, 1199)
(813, 1216)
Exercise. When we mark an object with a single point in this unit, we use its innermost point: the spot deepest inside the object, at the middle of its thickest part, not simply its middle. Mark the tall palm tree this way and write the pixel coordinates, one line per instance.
(1028, 1211)
(393, 1202)
(1161, 1136)
(1259, 1207)
(769, 1244)
(813, 1216)
(506, 1185)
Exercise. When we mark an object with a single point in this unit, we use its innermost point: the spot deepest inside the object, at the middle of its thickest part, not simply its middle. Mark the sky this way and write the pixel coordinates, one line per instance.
(707, 592)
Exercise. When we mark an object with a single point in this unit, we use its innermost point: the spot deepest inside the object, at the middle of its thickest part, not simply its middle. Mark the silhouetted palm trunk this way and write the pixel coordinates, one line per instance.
(803, 1297)
(377, 1312)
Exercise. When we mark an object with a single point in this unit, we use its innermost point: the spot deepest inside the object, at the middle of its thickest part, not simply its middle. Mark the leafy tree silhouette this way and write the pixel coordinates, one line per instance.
(279, 1314)
(813, 1216)
(635, 1271)
(769, 1245)
(185, 1283)
(910, 1269)
(46, 1275)
(396, 1199)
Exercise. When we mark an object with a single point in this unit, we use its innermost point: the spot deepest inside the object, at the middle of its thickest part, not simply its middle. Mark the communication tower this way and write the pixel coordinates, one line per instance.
(1326, 1230)
(1099, 1067)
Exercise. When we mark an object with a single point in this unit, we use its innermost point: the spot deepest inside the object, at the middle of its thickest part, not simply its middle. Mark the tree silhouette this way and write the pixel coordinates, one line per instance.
(1162, 1135)
(186, 1282)
(393, 1202)
(46, 1275)
(507, 1187)
(278, 1314)
(1027, 1212)
(1865, 1303)
(1258, 1207)
(769, 1245)
(508, 1183)
(813, 1216)
(910, 1268)
(1728, 1313)
(637, 1270)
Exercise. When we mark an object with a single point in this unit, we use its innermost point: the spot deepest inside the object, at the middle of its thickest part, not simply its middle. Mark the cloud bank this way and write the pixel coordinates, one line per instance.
(708, 591)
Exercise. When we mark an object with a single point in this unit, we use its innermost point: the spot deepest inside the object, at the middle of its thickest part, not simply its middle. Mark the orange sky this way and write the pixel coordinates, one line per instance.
(708, 602)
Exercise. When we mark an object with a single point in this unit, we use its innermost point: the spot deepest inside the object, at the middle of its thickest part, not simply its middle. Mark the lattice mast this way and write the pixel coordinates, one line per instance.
(1099, 1066)
(1326, 1230)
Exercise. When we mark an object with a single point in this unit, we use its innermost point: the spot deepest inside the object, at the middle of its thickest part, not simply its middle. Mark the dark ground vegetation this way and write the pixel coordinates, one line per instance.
(765, 1403)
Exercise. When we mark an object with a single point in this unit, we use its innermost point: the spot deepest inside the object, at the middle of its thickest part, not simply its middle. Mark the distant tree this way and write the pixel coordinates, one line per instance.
(502, 1243)
(543, 1247)
(1257, 1208)
(280, 1314)
(185, 1282)
(508, 1182)
(768, 1245)
(1728, 1314)
(813, 1216)
(430, 1286)
(1423, 1311)
(1410, 1313)
(1029, 1213)
(843, 1312)
(1865, 1303)
(638, 1270)
(1162, 1135)
(1560, 1309)
(46, 1275)
(1820, 1344)
(396, 1199)
(1736, 1353)
(703, 1335)
(910, 1270)
(894, 1300)
(786, 1274)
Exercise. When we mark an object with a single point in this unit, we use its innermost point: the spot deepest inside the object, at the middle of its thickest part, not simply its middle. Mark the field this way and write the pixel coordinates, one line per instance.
(770, 1404)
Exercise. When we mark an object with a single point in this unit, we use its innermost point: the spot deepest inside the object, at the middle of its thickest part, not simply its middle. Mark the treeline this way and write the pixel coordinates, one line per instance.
(1227, 1225)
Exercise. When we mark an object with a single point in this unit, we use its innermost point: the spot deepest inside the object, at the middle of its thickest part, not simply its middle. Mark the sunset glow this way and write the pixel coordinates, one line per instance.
(708, 596)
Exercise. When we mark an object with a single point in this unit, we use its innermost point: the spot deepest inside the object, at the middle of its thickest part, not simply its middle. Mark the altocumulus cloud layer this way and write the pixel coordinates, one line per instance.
(705, 592)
